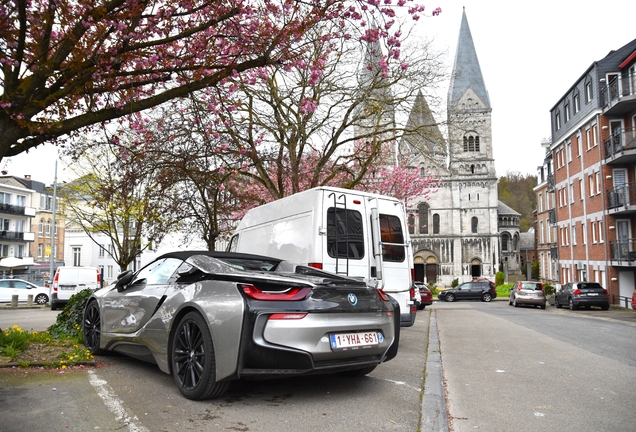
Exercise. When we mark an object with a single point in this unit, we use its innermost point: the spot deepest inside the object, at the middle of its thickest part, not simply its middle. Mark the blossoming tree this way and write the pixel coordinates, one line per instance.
(68, 64)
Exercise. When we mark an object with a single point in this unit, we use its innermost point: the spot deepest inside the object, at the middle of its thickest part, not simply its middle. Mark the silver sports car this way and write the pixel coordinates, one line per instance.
(212, 317)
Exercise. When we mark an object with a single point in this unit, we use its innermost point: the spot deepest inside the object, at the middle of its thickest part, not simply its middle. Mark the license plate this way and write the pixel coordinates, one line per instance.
(353, 340)
(592, 294)
(67, 288)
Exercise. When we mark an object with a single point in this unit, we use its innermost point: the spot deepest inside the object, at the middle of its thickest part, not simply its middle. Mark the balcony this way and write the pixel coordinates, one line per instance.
(622, 199)
(621, 146)
(17, 210)
(17, 237)
(618, 97)
(623, 252)
(550, 183)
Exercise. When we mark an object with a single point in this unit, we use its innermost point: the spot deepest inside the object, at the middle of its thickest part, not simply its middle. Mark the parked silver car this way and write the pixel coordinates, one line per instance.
(527, 293)
(586, 294)
(212, 317)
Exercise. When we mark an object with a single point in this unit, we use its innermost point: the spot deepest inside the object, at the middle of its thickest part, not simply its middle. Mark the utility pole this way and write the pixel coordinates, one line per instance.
(53, 208)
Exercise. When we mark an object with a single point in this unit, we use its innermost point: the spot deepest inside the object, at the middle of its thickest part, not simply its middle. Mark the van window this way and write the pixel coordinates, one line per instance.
(344, 228)
(391, 232)
(233, 243)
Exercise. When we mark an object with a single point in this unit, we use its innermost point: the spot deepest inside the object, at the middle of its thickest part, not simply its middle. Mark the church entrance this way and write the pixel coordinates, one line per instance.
(426, 270)
(475, 268)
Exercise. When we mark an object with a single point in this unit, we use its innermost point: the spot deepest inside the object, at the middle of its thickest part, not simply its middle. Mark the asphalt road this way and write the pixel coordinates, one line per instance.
(504, 369)
(526, 369)
(130, 395)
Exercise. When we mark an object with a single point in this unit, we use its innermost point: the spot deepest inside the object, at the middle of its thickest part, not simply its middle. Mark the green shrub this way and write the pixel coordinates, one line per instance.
(69, 321)
(503, 290)
(535, 270)
(454, 283)
(499, 279)
(548, 289)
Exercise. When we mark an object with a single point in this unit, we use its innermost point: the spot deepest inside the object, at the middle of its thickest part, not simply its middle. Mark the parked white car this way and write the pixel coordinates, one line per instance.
(22, 288)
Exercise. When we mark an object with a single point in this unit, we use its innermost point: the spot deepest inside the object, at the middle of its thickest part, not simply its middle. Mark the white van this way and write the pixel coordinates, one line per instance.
(343, 231)
(70, 280)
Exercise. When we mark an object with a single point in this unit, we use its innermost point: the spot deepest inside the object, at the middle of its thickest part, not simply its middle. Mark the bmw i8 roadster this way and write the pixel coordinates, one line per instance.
(209, 318)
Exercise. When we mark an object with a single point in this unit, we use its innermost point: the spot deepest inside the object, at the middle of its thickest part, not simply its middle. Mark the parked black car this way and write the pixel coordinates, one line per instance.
(476, 290)
(586, 294)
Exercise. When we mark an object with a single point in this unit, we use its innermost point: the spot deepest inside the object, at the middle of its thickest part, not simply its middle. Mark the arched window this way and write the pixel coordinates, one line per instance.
(471, 142)
(41, 228)
(423, 213)
(411, 223)
(473, 224)
(48, 228)
(515, 243)
(505, 239)
(436, 223)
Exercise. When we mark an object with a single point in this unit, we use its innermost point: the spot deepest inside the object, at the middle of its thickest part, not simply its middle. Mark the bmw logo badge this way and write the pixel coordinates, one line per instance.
(353, 299)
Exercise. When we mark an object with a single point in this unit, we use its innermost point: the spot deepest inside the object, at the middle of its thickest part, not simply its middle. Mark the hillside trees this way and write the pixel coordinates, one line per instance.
(69, 64)
(516, 191)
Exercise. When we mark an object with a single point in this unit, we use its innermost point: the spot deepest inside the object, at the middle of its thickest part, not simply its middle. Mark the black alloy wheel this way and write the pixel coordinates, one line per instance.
(92, 328)
(193, 362)
(514, 303)
(41, 299)
(450, 297)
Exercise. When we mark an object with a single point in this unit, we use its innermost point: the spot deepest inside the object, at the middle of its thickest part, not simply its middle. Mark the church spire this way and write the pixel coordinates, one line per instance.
(466, 71)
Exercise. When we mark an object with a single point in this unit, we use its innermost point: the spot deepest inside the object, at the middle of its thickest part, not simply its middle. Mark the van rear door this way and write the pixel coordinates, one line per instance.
(344, 242)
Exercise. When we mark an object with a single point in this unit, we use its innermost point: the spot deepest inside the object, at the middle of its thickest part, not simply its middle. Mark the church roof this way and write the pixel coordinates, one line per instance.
(503, 209)
(422, 130)
(466, 71)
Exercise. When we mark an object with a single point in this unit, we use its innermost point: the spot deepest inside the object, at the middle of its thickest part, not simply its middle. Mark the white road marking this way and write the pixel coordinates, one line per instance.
(401, 383)
(113, 403)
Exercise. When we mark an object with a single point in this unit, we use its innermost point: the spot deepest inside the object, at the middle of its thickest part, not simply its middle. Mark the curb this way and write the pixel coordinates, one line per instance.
(433, 413)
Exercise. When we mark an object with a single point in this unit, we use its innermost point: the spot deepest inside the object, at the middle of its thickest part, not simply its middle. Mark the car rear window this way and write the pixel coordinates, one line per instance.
(531, 286)
(589, 285)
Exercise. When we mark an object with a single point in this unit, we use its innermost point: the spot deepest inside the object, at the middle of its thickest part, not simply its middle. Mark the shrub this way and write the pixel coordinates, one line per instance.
(454, 283)
(499, 279)
(548, 289)
(69, 321)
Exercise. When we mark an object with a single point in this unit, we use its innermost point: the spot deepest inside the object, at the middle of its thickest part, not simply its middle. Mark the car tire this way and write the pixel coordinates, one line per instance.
(41, 299)
(514, 302)
(53, 306)
(486, 297)
(557, 304)
(355, 373)
(542, 306)
(605, 307)
(92, 328)
(449, 297)
(572, 305)
(193, 359)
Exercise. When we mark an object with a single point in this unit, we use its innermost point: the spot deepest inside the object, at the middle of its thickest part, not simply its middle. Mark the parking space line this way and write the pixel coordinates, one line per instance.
(113, 403)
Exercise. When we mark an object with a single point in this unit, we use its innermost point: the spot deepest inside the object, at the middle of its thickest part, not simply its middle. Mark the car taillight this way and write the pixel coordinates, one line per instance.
(99, 277)
(412, 292)
(412, 274)
(315, 265)
(604, 291)
(288, 316)
(576, 292)
(290, 294)
(55, 281)
(383, 295)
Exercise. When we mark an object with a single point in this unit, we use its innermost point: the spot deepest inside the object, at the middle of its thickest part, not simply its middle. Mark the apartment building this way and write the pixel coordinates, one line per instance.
(590, 169)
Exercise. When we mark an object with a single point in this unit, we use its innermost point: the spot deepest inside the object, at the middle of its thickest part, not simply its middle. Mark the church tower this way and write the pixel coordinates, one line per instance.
(455, 232)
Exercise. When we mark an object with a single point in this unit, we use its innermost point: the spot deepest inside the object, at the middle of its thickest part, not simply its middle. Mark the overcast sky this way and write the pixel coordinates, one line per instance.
(530, 53)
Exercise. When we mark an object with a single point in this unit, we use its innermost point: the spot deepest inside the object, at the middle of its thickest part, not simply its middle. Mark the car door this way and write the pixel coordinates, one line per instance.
(476, 289)
(128, 309)
(23, 289)
(5, 291)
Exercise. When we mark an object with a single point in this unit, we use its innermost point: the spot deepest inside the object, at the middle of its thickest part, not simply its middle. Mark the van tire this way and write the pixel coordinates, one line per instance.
(53, 306)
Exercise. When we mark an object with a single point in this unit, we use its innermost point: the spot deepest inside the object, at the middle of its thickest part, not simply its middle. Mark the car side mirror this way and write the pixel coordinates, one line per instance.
(123, 279)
